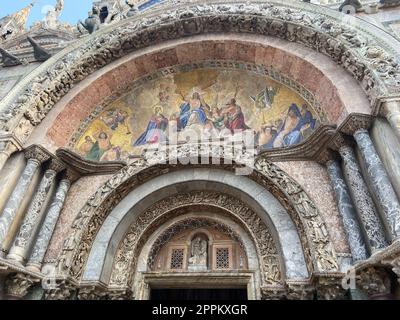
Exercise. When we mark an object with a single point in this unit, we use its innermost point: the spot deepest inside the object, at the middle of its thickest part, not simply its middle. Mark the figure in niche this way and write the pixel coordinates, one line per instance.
(155, 131)
(98, 149)
(198, 254)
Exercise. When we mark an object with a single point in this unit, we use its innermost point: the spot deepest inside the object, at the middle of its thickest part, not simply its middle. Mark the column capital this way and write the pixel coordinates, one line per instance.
(356, 122)
(339, 141)
(91, 293)
(17, 285)
(330, 287)
(62, 291)
(374, 281)
(56, 165)
(71, 175)
(38, 153)
(327, 155)
(9, 143)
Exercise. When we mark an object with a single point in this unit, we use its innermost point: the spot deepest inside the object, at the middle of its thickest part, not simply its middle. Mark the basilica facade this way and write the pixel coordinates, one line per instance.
(192, 149)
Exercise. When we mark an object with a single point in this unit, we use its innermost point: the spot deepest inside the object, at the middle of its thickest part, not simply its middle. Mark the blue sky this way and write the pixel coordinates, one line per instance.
(73, 9)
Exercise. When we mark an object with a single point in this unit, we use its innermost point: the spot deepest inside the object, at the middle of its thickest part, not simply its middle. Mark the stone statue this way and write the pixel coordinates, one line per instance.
(198, 254)
(51, 19)
(92, 22)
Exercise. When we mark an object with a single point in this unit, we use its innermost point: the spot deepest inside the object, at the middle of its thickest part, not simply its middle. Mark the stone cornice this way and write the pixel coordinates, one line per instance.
(354, 122)
(310, 149)
(10, 138)
(87, 167)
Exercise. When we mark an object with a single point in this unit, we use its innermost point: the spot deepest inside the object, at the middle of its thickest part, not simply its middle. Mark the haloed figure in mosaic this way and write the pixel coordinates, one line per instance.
(199, 104)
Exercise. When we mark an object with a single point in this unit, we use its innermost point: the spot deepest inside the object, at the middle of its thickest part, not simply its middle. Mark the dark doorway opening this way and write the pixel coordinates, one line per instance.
(198, 294)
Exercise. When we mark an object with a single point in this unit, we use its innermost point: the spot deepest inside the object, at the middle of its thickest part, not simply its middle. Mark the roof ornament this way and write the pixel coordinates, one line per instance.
(51, 19)
(8, 59)
(39, 53)
(15, 24)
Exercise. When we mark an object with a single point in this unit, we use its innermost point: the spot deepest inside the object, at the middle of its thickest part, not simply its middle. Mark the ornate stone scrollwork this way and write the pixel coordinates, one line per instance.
(312, 230)
(366, 57)
(127, 254)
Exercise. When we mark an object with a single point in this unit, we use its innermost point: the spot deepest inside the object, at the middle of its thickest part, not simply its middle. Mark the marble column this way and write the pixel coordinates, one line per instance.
(32, 221)
(47, 229)
(347, 211)
(380, 183)
(362, 200)
(391, 110)
(17, 196)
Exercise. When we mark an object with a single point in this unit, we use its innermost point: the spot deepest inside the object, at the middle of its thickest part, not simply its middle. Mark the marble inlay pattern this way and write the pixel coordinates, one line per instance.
(346, 209)
(315, 181)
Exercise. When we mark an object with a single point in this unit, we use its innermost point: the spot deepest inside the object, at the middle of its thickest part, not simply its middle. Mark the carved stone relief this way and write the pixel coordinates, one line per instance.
(367, 57)
(128, 252)
(311, 228)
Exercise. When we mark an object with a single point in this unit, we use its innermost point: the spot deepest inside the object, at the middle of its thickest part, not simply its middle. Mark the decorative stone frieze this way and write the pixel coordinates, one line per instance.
(368, 57)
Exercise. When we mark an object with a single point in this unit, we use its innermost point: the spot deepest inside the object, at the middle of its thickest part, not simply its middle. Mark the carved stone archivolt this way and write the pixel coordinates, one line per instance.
(365, 53)
(126, 257)
(318, 248)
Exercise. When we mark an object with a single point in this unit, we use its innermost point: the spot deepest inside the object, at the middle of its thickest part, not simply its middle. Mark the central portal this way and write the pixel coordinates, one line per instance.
(198, 294)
